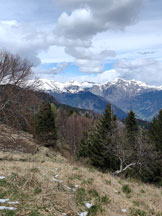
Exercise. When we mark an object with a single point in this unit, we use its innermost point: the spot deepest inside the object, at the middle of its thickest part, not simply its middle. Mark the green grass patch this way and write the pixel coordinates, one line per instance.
(126, 189)
(105, 200)
(93, 193)
(34, 170)
(93, 210)
(7, 213)
(137, 212)
(37, 190)
(80, 196)
(3, 182)
(108, 182)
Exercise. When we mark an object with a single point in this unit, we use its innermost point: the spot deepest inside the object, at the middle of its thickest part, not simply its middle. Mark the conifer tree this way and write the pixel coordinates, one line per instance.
(156, 131)
(131, 127)
(84, 146)
(45, 130)
(101, 139)
(131, 135)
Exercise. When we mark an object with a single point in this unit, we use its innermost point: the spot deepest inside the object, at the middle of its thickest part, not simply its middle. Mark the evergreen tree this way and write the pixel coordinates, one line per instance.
(131, 128)
(156, 131)
(45, 130)
(131, 135)
(83, 149)
(101, 139)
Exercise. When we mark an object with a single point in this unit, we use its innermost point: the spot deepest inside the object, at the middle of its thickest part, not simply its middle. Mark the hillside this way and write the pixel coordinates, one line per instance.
(45, 183)
(88, 101)
(19, 104)
(145, 100)
(151, 104)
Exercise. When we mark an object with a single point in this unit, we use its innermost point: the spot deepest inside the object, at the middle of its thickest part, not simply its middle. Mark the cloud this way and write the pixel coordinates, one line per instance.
(82, 30)
(60, 67)
(104, 77)
(146, 70)
(89, 17)
(22, 39)
(88, 61)
(83, 19)
(146, 53)
(52, 72)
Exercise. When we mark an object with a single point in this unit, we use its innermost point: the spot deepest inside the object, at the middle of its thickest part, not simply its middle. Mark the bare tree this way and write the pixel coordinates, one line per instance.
(75, 127)
(123, 150)
(14, 73)
(13, 69)
(130, 155)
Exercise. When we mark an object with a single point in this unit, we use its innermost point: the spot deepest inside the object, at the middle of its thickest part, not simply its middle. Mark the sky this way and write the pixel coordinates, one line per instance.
(86, 40)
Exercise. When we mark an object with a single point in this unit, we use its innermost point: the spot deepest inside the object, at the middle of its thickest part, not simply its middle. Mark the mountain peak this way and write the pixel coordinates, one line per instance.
(75, 86)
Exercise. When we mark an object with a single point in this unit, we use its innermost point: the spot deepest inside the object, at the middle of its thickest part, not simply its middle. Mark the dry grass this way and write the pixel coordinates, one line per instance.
(29, 180)
(12, 140)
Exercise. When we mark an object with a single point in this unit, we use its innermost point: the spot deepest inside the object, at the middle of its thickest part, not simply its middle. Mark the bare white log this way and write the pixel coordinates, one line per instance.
(125, 168)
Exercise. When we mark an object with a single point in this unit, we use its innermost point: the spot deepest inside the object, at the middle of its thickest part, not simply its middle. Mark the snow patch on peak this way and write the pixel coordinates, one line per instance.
(132, 84)
(71, 86)
(75, 86)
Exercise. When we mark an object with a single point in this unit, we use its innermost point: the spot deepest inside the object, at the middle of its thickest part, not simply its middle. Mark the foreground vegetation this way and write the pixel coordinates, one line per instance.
(31, 180)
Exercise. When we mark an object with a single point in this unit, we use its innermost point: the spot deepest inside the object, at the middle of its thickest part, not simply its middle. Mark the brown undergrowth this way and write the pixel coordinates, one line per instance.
(47, 184)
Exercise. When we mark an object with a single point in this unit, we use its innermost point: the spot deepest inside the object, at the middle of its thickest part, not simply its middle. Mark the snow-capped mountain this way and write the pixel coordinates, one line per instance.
(145, 100)
(68, 87)
(130, 87)
(120, 90)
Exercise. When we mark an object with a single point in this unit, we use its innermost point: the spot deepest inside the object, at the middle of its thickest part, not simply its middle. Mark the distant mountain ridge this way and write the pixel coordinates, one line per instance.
(145, 100)
(130, 86)
(89, 101)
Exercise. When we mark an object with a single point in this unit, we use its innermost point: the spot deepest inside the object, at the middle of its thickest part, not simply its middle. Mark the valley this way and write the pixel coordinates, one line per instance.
(124, 95)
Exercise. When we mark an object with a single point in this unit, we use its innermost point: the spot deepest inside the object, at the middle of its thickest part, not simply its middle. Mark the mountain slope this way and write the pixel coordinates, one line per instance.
(143, 99)
(87, 100)
(124, 94)
(147, 105)
(46, 183)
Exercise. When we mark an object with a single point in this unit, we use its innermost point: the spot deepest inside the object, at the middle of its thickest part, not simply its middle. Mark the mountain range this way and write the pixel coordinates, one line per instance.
(124, 95)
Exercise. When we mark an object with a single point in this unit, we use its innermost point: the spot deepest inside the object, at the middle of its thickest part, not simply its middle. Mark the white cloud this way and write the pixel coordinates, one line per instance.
(107, 76)
(22, 39)
(60, 67)
(89, 61)
(104, 77)
(146, 70)
(55, 54)
(82, 20)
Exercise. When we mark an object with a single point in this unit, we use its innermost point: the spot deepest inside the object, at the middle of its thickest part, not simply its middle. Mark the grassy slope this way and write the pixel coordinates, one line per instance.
(29, 180)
